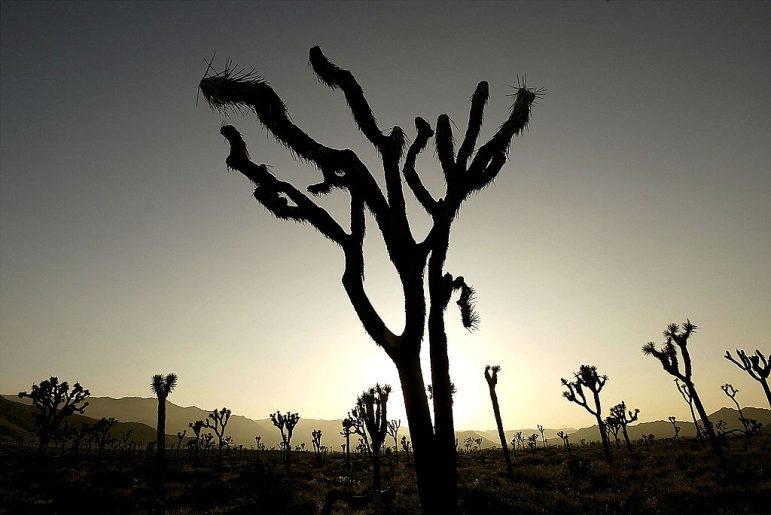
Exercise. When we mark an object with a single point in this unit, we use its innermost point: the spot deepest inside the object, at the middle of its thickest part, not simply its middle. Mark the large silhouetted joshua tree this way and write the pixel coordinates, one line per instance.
(285, 422)
(217, 421)
(373, 403)
(162, 387)
(491, 376)
(588, 378)
(465, 171)
(756, 365)
(677, 338)
(624, 418)
(55, 402)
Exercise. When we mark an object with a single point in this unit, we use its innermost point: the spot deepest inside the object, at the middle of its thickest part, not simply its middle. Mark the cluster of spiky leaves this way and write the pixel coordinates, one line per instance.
(162, 386)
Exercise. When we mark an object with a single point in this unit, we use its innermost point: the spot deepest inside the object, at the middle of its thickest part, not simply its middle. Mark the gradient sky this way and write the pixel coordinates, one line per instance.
(641, 195)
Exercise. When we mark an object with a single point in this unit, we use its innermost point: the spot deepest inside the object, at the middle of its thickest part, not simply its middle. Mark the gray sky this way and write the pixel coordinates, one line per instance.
(641, 195)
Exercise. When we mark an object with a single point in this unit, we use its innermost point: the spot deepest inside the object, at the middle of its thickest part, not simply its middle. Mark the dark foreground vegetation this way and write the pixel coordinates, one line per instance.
(667, 476)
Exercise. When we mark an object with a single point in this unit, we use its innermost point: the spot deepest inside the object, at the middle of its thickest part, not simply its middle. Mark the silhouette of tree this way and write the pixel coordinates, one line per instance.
(673, 421)
(101, 433)
(162, 387)
(434, 443)
(288, 422)
(751, 426)
(346, 432)
(356, 416)
(316, 439)
(684, 393)
(613, 426)
(756, 365)
(196, 427)
(668, 356)
(624, 418)
(565, 440)
(587, 378)
(373, 403)
(55, 402)
(491, 376)
(217, 421)
(543, 438)
(393, 430)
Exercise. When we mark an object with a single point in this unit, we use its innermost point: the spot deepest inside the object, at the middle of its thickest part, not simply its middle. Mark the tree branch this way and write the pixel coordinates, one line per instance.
(410, 175)
(476, 115)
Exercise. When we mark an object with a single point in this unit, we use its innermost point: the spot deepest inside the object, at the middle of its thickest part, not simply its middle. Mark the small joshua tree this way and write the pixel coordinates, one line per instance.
(673, 421)
(316, 439)
(180, 437)
(491, 376)
(162, 387)
(588, 378)
(393, 430)
(373, 404)
(532, 443)
(677, 338)
(196, 427)
(543, 438)
(624, 418)
(285, 422)
(407, 446)
(684, 393)
(217, 421)
(55, 402)
(346, 432)
(101, 433)
(613, 426)
(565, 441)
(756, 365)
(751, 426)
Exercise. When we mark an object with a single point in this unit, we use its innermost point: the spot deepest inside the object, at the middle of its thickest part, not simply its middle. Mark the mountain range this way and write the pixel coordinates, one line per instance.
(140, 414)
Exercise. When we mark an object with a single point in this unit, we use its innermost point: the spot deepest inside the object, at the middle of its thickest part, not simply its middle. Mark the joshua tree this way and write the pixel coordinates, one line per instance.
(435, 458)
(393, 430)
(624, 418)
(217, 421)
(373, 403)
(689, 400)
(491, 376)
(751, 426)
(673, 421)
(407, 446)
(162, 387)
(756, 365)
(565, 441)
(543, 438)
(101, 432)
(588, 378)
(532, 443)
(357, 416)
(668, 356)
(55, 402)
(316, 437)
(613, 426)
(180, 437)
(196, 427)
(347, 425)
(288, 422)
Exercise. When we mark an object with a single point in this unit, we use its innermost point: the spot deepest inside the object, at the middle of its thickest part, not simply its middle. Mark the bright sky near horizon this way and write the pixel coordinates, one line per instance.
(641, 195)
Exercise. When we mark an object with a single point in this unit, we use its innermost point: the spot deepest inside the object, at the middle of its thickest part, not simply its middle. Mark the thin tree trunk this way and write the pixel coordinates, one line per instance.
(706, 423)
(767, 390)
(161, 430)
(501, 434)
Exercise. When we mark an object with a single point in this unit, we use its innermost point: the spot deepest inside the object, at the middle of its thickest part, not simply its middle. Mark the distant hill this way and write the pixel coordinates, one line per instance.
(17, 419)
(663, 428)
(143, 411)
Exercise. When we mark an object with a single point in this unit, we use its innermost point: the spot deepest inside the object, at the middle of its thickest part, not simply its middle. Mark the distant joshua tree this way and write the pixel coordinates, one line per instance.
(532, 443)
(393, 431)
(196, 427)
(565, 441)
(346, 432)
(162, 387)
(613, 426)
(101, 432)
(624, 418)
(358, 427)
(543, 438)
(491, 376)
(55, 402)
(668, 356)
(686, 395)
(751, 426)
(407, 446)
(673, 421)
(217, 421)
(418, 261)
(180, 437)
(373, 403)
(316, 438)
(288, 422)
(588, 378)
(756, 365)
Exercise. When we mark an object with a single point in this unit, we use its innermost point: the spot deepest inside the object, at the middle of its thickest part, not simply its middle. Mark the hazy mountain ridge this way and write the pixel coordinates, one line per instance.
(143, 410)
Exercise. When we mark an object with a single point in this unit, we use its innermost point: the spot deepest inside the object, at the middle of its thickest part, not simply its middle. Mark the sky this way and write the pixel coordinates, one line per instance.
(639, 196)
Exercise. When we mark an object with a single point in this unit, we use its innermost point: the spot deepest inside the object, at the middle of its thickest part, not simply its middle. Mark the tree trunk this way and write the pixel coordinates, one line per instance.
(603, 432)
(501, 434)
(160, 445)
(767, 390)
(626, 439)
(431, 480)
(705, 422)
